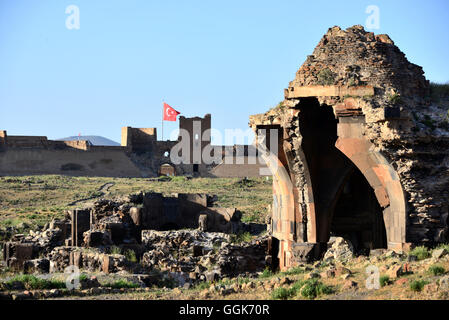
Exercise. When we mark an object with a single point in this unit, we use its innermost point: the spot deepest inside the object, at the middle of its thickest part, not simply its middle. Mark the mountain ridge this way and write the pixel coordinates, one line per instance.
(94, 140)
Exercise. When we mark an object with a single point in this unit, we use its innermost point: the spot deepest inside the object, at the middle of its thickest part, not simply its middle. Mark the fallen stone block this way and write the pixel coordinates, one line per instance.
(439, 253)
(36, 266)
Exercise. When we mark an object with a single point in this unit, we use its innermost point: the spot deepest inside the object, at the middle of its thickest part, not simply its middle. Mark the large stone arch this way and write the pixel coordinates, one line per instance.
(380, 174)
(312, 207)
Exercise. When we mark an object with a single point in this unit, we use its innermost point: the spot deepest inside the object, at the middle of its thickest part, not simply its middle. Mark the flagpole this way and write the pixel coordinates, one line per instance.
(162, 120)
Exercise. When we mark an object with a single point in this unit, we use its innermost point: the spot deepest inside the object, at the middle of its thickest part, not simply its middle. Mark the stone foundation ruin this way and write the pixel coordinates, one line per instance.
(183, 238)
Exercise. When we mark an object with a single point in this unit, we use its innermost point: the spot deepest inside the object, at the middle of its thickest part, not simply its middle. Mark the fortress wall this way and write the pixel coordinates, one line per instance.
(77, 144)
(27, 142)
(107, 148)
(106, 162)
(240, 166)
(3, 137)
(138, 138)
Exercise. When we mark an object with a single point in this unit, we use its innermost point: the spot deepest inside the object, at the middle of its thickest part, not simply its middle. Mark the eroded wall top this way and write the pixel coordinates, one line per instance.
(354, 57)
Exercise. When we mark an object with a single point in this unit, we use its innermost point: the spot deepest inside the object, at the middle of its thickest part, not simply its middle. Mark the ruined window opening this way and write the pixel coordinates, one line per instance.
(166, 154)
(195, 168)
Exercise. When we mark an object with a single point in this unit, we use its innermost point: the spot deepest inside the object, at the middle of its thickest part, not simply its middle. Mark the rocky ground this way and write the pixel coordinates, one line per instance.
(420, 274)
(192, 264)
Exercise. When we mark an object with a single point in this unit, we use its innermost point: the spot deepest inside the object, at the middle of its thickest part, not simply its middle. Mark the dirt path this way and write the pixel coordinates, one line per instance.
(102, 190)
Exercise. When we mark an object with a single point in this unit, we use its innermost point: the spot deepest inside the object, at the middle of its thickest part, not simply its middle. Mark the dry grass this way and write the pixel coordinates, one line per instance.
(35, 200)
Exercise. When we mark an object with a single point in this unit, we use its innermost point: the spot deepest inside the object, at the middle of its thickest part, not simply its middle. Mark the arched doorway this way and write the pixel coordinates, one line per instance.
(339, 185)
(357, 215)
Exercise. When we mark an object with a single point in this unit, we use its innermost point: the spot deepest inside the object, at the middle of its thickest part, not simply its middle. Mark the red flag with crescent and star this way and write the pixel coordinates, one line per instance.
(170, 113)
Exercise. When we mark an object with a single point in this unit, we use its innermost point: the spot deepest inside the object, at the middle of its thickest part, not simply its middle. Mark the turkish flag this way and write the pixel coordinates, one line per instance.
(170, 113)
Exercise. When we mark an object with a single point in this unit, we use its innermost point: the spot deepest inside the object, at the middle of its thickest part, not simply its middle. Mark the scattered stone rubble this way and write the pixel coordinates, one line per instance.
(339, 249)
(129, 236)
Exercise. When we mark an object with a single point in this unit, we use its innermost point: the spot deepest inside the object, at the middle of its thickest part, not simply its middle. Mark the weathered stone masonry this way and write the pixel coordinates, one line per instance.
(141, 154)
(363, 153)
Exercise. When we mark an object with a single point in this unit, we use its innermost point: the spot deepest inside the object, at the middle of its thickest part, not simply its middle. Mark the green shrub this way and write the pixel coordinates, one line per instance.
(284, 293)
(384, 280)
(436, 270)
(131, 255)
(395, 99)
(313, 288)
(32, 282)
(122, 283)
(242, 280)
(281, 294)
(178, 178)
(245, 183)
(115, 250)
(83, 277)
(293, 271)
(308, 289)
(326, 77)
(241, 237)
(266, 273)
(203, 285)
(251, 217)
(417, 285)
(443, 246)
(420, 252)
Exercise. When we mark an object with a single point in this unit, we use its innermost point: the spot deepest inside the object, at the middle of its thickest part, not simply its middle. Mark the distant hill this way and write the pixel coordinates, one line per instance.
(94, 140)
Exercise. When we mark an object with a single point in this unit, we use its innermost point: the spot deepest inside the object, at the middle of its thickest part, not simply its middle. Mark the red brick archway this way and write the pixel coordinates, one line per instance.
(383, 179)
(290, 210)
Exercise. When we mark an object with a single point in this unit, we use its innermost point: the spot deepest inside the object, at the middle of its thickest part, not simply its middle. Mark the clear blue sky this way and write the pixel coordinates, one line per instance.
(228, 58)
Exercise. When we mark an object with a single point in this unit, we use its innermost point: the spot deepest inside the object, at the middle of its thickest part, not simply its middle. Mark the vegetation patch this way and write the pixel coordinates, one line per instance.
(203, 285)
(281, 294)
(443, 246)
(313, 288)
(384, 280)
(309, 289)
(122, 284)
(115, 250)
(293, 271)
(395, 99)
(31, 282)
(241, 237)
(417, 285)
(326, 77)
(420, 252)
(131, 255)
(436, 270)
(266, 273)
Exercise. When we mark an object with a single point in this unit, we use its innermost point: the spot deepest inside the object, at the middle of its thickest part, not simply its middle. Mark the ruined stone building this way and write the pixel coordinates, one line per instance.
(141, 154)
(362, 151)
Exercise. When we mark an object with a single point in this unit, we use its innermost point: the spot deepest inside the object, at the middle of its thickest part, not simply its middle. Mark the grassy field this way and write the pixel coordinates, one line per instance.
(35, 200)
